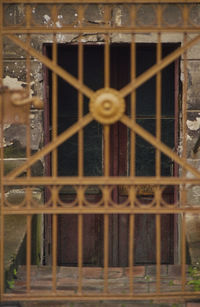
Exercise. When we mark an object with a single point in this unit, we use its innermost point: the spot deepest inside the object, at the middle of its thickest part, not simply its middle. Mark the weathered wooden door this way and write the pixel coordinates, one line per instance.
(119, 162)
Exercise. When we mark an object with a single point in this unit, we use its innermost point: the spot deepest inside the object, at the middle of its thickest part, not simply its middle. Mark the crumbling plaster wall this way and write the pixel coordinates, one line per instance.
(15, 74)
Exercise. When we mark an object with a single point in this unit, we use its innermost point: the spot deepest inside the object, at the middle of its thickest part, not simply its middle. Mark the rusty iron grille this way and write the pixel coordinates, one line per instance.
(142, 195)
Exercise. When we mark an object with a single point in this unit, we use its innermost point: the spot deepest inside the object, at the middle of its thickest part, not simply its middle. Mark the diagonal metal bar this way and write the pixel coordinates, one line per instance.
(54, 67)
(52, 145)
(158, 144)
(134, 84)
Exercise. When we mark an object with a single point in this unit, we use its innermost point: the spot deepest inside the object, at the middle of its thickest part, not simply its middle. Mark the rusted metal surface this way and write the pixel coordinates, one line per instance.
(123, 193)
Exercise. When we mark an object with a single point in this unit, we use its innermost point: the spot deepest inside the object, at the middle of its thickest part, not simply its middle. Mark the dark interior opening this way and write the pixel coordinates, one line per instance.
(145, 251)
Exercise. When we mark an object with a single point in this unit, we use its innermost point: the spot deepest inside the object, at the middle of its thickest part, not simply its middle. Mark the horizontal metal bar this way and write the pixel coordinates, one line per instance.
(102, 210)
(99, 30)
(101, 1)
(60, 296)
(132, 181)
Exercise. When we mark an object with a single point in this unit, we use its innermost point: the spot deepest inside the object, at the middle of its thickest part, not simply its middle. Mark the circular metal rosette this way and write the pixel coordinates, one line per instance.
(67, 196)
(119, 196)
(40, 197)
(15, 197)
(169, 196)
(93, 196)
(145, 196)
(107, 106)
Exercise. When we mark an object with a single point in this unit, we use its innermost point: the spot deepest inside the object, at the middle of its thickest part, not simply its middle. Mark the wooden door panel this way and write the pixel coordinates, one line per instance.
(68, 240)
(145, 236)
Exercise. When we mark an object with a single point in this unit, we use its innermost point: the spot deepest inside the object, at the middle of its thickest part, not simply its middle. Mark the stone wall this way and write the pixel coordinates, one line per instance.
(15, 77)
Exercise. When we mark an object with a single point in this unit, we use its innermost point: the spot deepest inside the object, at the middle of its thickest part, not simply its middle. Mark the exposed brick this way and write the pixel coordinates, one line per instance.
(193, 305)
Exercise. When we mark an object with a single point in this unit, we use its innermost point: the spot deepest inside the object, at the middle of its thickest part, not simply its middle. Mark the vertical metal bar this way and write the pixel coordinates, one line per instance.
(185, 15)
(28, 154)
(133, 14)
(54, 108)
(131, 250)
(80, 15)
(54, 251)
(184, 106)
(1, 162)
(28, 88)
(133, 107)
(80, 110)
(158, 159)
(80, 164)
(158, 105)
(80, 252)
(106, 216)
(54, 159)
(28, 16)
(28, 252)
(106, 162)
(159, 15)
(132, 163)
(106, 150)
(106, 127)
(107, 62)
(184, 157)
(106, 251)
(183, 253)
(158, 251)
(176, 166)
